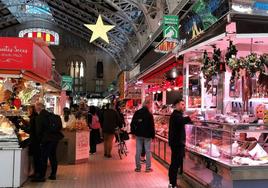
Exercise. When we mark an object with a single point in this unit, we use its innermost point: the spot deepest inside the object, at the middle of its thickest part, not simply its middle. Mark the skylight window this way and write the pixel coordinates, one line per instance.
(43, 9)
(27, 10)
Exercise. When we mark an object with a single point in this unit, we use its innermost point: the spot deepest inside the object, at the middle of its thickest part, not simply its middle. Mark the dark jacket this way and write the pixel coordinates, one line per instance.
(43, 132)
(176, 134)
(110, 120)
(142, 123)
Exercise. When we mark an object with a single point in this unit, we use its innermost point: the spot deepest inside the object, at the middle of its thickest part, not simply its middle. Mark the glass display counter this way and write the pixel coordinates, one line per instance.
(219, 154)
(14, 160)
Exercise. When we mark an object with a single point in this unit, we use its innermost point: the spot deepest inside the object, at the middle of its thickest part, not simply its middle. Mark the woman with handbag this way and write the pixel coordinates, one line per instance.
(94, 126)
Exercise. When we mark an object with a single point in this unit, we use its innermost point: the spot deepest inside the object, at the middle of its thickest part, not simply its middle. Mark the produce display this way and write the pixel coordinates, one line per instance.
(161, 125)
(77, 125)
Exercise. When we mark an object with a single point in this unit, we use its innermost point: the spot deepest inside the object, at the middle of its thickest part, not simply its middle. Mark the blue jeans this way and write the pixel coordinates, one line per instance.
(147, 145)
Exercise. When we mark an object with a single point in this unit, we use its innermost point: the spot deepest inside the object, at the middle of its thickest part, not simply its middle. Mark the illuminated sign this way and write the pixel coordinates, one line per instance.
(48, 36)
(166, 45)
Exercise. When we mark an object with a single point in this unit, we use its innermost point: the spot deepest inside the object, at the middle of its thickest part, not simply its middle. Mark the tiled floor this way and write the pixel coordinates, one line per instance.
(100, 172)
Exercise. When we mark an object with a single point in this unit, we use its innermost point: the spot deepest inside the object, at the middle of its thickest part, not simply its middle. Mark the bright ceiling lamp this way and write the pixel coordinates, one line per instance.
(169, 89)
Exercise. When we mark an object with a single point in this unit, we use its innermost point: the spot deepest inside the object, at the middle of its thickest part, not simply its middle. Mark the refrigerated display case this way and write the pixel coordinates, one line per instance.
(220, 154)
(14, 160)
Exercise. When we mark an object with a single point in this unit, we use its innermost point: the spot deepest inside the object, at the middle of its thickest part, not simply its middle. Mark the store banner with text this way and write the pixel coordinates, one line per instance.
(67, 83)
(16, 54)
(133, 92)
(25, 54)
(171, 26)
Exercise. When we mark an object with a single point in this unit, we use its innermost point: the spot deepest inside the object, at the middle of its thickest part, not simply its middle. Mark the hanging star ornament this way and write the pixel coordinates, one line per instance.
(99, 30)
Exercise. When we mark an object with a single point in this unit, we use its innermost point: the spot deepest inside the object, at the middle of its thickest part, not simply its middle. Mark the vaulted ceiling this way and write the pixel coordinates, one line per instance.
(135, 20)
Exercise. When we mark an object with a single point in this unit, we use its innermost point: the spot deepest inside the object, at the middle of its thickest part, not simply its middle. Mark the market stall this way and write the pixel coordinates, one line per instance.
(24, 65)
(74, 147)
(225, 80)
(53, 93)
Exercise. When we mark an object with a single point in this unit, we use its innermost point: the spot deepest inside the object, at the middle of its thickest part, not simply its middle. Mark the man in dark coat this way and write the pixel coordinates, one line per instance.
(48, 142)
(176, 140)
(142, 126)
(110, 120)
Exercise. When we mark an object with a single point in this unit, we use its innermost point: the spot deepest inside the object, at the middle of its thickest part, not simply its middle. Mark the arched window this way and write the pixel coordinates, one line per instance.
(76, 66)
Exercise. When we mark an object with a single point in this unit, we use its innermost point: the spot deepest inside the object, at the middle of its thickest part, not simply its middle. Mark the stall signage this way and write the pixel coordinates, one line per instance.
(202, 16)
(67, 83)
(82, 145)
(166, 45)
(121, 84)
(15, 54)
(133, 92)
(261, 5)
(171, 26)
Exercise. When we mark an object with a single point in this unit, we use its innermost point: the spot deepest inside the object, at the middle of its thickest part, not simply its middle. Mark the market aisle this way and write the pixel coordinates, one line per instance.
(100, 172)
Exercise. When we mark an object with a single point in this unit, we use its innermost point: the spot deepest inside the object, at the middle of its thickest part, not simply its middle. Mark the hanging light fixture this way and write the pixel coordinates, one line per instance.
(174, 73)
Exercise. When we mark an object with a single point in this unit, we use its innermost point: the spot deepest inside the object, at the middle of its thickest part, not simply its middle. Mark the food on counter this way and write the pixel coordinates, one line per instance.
(8, 137)
(161, 125)
(23, 135)
(77, 125)
(247, 161)
(257, 152)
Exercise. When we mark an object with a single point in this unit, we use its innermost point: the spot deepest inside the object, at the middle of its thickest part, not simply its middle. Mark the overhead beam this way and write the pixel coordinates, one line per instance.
(176, 11)
(79, 13)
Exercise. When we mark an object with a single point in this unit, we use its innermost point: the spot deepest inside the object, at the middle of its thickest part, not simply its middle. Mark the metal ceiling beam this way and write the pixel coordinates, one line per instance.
(79, 13)
(117, 18)
(124, 14)
(83, 35)
(180, 5)
(86, 35)
(7, 18)
(128, 7)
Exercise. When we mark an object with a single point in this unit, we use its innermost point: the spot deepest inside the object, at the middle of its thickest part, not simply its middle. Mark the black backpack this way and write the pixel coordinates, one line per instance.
(55, 123)
(137, 121)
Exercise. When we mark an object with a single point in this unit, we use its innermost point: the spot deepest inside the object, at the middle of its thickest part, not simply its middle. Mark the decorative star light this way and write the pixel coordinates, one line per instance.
(8, 85)
(99, 30)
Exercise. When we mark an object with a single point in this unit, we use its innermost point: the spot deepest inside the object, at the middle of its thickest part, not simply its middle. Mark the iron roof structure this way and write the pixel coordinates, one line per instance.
(135, 20)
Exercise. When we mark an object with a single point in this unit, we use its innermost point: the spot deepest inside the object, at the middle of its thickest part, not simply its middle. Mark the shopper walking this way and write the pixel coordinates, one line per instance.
(176, 140)
(142, 126)
(110, 121)
(94, 126)
(48, 140)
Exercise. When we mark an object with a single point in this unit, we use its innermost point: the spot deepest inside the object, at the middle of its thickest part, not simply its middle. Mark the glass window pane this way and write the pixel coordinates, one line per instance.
(76, 69)
(81, 70)
(72, 69)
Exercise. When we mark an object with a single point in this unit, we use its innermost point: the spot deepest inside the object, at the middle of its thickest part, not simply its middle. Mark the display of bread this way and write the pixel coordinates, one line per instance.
(6, 126)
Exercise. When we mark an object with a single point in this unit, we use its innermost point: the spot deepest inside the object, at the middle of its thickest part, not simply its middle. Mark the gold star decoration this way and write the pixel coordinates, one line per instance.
(99, 30)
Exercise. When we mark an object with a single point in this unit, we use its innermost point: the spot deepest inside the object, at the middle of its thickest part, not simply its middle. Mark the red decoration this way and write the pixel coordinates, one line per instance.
(17, 103)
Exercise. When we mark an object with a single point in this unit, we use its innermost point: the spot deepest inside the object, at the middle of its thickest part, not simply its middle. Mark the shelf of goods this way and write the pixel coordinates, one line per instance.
(13, 159)
(219, 154)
